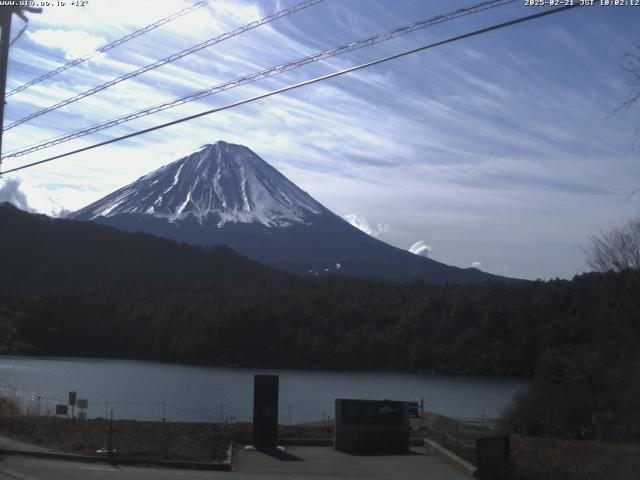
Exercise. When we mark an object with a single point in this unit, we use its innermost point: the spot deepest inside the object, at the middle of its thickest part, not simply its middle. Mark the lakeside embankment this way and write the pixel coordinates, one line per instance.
(531, 458)
(177, 441)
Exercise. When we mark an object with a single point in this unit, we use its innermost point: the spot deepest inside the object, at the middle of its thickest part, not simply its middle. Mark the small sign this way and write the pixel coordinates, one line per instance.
(62, 410)
(373, 412)
(72, 398)
(83, 403)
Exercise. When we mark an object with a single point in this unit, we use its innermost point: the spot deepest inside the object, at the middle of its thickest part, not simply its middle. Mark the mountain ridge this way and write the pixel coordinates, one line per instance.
(42, 252)
(226, 194)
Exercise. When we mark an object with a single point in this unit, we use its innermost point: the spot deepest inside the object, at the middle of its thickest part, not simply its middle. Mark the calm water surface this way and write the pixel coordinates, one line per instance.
(150, 390)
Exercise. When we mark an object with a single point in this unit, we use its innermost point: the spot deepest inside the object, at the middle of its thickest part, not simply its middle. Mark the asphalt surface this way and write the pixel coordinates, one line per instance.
(317, 463)
(15, 467)
(325, 462)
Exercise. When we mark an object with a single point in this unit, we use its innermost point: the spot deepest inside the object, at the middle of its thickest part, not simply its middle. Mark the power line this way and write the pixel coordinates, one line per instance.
(316, 57)
(302, 84)
(164, 61)
(111, 45)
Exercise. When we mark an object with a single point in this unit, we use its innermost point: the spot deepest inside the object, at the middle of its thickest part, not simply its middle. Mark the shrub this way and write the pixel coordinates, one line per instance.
(9, 407)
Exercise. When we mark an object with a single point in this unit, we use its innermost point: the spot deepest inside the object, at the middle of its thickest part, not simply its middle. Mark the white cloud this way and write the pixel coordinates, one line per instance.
(420, 248)
(361, 223)
(74, 43)
(476, 264)
(10, 192)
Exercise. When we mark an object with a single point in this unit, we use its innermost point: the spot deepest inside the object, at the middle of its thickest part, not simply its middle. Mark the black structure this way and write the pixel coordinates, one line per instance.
(265, 411)
(372, 426)
(493, 457)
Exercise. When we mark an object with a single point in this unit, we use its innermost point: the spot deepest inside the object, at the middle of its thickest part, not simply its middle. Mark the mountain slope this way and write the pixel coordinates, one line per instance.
(219, 184)
(37, 251)
(226, 194)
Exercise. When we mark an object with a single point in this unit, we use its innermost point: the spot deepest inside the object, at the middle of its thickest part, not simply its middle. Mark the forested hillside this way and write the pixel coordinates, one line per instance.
(37, 251)
(339, 323)
(89, 290)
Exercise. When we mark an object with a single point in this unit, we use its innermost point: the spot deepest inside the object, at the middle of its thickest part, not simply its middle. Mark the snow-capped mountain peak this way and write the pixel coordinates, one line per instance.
(219, 183)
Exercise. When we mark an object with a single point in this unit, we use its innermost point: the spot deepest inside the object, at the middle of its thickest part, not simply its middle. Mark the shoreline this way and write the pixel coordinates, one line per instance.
(249, 366)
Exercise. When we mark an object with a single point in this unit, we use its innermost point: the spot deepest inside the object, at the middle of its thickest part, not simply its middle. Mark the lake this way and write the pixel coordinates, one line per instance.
(151, 390)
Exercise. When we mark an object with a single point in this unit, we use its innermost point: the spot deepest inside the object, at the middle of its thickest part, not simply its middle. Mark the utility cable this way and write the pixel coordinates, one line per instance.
(316, 57)
(22, 30)
(302, 84)
(164, 61)
(111, 45)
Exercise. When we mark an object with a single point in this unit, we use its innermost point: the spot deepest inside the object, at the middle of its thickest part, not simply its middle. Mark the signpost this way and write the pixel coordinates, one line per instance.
(72, 402)
(83, 404)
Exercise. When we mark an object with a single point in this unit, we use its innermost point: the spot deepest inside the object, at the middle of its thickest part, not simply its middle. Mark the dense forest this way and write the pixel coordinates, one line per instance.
(578, 338)
(94, 291)
(336, 322)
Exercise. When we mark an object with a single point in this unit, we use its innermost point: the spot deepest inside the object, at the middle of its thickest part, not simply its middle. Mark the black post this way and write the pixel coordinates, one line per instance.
(5, 38)
(265, 411)
(493, 457)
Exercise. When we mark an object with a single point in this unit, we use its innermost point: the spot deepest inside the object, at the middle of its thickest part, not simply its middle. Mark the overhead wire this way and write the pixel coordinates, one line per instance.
(166, 60)
(22, 30)
(109, 46)
(270, 72)
(304, 83)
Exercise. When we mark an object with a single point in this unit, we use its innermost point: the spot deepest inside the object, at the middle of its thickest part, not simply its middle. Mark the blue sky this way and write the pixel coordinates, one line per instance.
(500, 151)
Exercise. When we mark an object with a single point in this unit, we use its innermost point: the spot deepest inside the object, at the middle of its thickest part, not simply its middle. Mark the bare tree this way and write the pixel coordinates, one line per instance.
(631, 64)
(616, 250)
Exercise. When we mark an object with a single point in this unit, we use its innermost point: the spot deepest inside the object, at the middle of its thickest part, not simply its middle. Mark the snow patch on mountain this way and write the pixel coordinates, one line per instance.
(221, 183)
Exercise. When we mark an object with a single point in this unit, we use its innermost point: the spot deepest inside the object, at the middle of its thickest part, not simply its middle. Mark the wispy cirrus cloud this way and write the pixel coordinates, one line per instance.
(495, 146)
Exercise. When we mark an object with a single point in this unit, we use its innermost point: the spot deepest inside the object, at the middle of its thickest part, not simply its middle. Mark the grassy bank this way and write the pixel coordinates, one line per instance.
(548, 459)
(168, 441)
(202, 442)
(538, 458)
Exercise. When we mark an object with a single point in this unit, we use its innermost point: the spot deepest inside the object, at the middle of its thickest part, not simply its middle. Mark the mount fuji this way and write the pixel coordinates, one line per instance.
(226, 194)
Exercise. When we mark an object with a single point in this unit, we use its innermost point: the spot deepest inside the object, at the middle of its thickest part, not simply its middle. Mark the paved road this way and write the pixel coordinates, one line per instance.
(325, 462)
(24, 468)
(315, 463)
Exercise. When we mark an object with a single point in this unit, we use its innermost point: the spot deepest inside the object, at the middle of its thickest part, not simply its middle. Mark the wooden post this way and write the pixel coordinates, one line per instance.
(110, 435)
